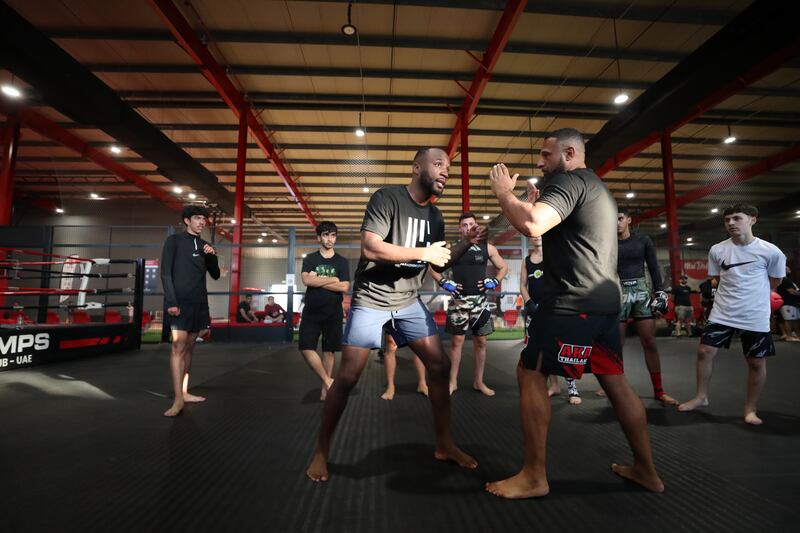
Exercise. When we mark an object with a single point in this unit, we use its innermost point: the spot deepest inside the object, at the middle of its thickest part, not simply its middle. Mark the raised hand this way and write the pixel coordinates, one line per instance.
(501, 180)
(209, 250)
(477, 234)
(436, 254)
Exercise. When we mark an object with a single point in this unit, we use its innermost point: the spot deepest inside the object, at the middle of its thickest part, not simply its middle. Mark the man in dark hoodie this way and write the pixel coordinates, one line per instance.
(185, 260)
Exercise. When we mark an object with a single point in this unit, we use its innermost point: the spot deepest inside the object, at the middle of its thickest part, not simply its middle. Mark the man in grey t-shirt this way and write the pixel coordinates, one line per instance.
(401, 235)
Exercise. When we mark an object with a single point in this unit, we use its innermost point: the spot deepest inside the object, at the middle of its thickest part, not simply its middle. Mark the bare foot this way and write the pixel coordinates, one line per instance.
(600, 392)
(422, 388)
(519, 486)
(553, 391)
(318, 469)
(191, 398)
(647, 479)
(483, 388)
(175, 410)
(575, 400)
(453, 388)
(666, 399)
(693, 404)
(752, 419)
(453, 453)
(389, 394)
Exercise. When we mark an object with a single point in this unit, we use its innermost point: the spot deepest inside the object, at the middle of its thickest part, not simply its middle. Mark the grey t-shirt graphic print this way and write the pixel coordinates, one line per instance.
(394, 216)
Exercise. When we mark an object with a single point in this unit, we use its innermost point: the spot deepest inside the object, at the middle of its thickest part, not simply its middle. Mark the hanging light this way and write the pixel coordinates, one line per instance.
(59, 211)
(663, 226)
(715, 209)
(274, 240)
(233, 221)
(360, 131)
(630, 194)
(94, 195)
(486, 217)
(730, 138)
(11, 91)
(177, 190)
(115, 149)
(348, 29)
(192, 196)
(621, 97)
(689, 239)
(365, 189)
(263, 233)
(260, 240)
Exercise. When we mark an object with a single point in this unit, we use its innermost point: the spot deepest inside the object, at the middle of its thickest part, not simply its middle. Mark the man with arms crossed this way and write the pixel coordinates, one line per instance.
(576, 329)
(468, 308)
(402, 233)
(185, 260)
(326, 276)
(748, 268)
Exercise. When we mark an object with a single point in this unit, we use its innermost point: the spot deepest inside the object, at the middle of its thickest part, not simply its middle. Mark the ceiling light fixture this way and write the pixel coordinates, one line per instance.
(365, 189)
(630, 194)
(177, 190)
(115, 149)
(263, 233)
(486, 217)
(348, 29)
(59, 211)
(689, 239)
(233, 221)
(274, 240)
(260, 239)
(94, 195)
(304, 256)
(689, 244)
(11, 91)
(192, 196)
(715, 209)
(730, 138)
(663, 226)
(621, 97)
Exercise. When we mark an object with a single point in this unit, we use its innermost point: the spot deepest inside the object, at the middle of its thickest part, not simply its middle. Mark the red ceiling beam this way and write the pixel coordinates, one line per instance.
(47, 128)
(512, 13)
(215, 74)
(756, 169)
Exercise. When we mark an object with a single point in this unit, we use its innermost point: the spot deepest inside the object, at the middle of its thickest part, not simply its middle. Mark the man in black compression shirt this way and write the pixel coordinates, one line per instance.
(185, 260)
(638, 300)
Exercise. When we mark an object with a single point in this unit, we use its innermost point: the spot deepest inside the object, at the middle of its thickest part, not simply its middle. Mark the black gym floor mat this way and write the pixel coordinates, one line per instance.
(84, 448)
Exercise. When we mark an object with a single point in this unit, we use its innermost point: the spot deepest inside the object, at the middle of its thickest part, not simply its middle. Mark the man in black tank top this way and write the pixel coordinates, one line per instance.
(468, 309)
(576, 328)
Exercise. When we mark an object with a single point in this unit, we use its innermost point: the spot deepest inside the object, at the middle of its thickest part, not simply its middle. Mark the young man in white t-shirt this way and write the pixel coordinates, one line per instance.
(747, 269)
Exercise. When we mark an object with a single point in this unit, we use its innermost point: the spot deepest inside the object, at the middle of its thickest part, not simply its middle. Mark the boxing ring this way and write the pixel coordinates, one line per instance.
(51, 306)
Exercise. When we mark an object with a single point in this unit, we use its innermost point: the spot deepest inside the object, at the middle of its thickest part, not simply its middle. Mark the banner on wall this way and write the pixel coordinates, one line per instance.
(696, 268)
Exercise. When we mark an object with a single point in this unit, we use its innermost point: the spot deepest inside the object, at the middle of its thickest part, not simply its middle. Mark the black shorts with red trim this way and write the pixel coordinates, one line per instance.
(571, 345)
(194, 317)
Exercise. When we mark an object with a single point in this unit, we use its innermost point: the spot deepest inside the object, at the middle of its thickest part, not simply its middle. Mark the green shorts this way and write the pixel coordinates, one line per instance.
(635, 300)
(469, 313)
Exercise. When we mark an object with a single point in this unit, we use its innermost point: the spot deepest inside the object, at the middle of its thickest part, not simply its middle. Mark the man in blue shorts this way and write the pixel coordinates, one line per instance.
(575, 329)
(402, 233)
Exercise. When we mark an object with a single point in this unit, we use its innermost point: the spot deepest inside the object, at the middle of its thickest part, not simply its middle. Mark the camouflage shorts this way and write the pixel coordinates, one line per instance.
(469, 313)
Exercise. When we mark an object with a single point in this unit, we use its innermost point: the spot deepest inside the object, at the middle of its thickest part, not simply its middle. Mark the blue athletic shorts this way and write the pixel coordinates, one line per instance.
(365, 325)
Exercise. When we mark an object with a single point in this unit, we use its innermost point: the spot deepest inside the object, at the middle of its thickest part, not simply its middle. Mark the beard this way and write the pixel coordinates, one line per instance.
(427, 182)
(561, 167)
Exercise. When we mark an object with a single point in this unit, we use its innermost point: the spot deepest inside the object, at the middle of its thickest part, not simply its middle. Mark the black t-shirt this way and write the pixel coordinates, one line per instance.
(320, 300)
(395, 217)
(783, 288)
(242, 306)
(471, 268)
(634, 252)
(580, 263)
(681, 295)
(535, 283)
(183, 269)
(707, 290)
